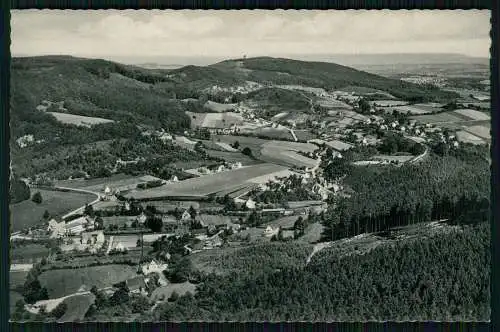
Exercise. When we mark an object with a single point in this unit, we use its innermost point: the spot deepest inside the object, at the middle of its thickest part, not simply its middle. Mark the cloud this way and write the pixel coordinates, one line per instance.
(231, 33)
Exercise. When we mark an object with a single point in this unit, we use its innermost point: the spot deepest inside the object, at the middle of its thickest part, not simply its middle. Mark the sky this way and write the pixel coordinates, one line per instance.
(139, 34)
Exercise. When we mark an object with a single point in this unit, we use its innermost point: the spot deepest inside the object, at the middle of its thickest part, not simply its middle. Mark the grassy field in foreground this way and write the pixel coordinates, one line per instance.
(164, 292)
(77, 307)
(68, 281)
(58, 203)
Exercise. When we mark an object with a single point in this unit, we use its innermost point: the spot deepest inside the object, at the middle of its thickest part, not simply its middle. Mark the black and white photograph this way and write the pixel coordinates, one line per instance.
(250, 165)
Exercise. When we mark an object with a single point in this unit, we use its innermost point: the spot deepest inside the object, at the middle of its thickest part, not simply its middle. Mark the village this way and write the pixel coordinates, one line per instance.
(272, 182)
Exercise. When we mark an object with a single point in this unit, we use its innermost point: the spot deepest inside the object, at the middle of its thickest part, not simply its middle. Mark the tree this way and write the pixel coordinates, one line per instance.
(173, 297)
(154, 223)
(192, 212)
(247, 151)
(89, 210)
(236, 145)
(59, 311)
(139, 304)
(121, 295)
(99, 223)
(364, 106)
(46, 215)
(33, 291)
(37, 198)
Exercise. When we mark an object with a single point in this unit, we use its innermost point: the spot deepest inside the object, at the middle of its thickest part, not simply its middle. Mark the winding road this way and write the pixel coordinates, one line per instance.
(80, 209)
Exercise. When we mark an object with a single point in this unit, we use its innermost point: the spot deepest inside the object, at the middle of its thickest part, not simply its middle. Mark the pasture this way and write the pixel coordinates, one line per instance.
(78, 120)
(273, 133)
(226, 147)
(465, 137)
(218, 107)
(28, 252)
(388, 103)
(233, 157)
(437, 118)
(304, 135)
(411, 109)
(215, 120)
(164, 292)
(119, 221)
(209, 184)
(64, 282)
(286, 157)
(338, 145)
(472, 114)
(17, 279)
(28, 213)
(284, 222)
(77, 307)
(121, 182)
(481, 131)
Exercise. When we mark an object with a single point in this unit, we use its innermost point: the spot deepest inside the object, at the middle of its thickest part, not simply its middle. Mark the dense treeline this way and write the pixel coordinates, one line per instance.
(19, 191)
(99, 159)
(445, 277)
(383, 197)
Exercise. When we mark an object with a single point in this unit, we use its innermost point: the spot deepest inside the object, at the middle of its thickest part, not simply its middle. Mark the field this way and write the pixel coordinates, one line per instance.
(78, 120)
(304, 135)
(400, 159)
(28, 253)
(388, 103)
(210, 184)
(332, 103)
(338, 145)
(233, 157)
(286, 158)
(118, 221)
(217, 107)
(437, 118)
(68, 281)
(473, 114)
(284, 222)
(411, 109)
(118, 181)
(166, 291)
(273, 133)
(215, 120)
(481, 131)
(166, 206)
(27, 213)
(226, 147)
(211, 219)
(77, 307)
(258, 258)
(466, 137)
(17, 279)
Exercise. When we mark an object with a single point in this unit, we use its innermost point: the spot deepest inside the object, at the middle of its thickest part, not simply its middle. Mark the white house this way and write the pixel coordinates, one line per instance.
(153, 267)
(270, 231)
(186, 215)
(174, 179)
(250, 204)
(141, 219)
(79, 225)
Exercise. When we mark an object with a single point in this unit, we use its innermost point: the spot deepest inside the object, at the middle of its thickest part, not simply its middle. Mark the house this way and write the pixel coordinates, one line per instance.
(79, 225)
(174, 178)
(95, 239)
(270, 231)
(153, 267)
(186, 216)
(250, 204)
(141, 219)
(136, 285)
(221, 168)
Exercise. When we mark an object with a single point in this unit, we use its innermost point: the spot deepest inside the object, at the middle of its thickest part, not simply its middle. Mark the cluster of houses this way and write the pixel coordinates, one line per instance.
(28, 140)
(220, 168)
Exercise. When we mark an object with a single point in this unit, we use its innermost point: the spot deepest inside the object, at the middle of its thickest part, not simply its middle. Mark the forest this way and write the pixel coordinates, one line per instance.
(450, 282)
(452, 187)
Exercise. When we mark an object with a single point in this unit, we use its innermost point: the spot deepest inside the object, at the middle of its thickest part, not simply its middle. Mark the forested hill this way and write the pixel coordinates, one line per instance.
(325, 75)
(132, 95)
(88, 87)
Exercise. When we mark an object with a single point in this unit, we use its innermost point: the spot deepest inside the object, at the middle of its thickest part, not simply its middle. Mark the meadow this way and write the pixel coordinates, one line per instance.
(208, 184)
(57, 203)
(78, 120)
(64, 282)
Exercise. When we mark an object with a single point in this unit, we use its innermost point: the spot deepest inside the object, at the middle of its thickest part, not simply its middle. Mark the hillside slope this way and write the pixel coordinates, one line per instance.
(88, 87)
(323, 75)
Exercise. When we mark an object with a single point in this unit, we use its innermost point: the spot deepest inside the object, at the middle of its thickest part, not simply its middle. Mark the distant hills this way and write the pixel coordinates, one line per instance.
(134, 95)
